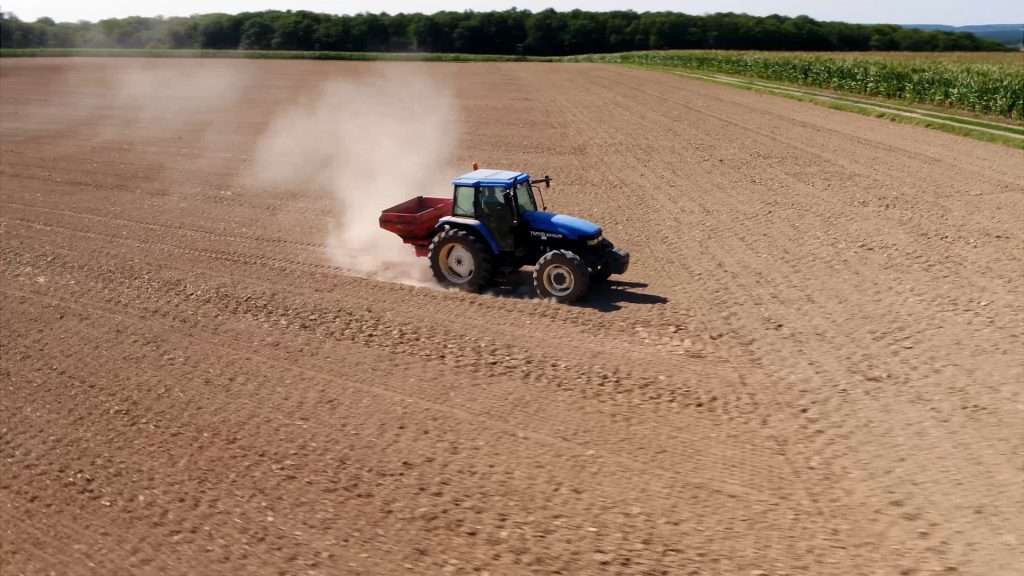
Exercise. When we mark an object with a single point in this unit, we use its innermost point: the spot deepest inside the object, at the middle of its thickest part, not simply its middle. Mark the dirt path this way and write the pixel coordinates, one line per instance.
(812, 367)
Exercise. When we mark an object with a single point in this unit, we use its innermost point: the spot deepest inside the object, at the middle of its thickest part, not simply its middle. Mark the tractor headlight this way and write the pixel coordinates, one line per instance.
(594, 241)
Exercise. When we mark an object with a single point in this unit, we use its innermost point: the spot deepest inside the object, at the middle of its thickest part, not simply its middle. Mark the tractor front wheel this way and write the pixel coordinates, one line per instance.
(459, 260)
(561, 276)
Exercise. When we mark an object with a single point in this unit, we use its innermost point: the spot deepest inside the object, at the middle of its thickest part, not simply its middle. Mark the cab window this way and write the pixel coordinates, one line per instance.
(524, 196)
(463, 205)
(492, 198)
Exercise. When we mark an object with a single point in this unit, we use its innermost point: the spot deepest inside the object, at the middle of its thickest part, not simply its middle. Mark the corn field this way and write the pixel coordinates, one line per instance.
(996, 89)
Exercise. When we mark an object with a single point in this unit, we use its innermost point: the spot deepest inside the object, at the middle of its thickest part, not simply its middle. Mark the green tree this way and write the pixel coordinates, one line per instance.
(295, 31)
(543, 33)
(219, 32)
(257, 34)
(333, 34)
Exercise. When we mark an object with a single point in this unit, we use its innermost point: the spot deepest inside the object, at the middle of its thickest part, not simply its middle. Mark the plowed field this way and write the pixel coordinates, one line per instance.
(813, 366)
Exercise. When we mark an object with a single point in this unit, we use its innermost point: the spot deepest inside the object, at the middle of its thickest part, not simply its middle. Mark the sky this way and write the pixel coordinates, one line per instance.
(952, 12)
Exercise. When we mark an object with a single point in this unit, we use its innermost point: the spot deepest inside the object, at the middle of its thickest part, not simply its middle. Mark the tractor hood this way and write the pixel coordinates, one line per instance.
(560, 225)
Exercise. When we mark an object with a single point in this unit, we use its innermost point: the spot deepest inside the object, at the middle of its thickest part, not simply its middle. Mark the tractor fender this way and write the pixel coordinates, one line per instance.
(471, 224)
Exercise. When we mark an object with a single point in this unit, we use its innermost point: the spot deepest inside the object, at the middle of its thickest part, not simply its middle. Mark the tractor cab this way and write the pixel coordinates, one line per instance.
(506, 206)
(497, 199)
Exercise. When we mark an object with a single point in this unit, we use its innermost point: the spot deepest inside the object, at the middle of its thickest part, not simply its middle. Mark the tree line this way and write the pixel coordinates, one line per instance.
(545, 33)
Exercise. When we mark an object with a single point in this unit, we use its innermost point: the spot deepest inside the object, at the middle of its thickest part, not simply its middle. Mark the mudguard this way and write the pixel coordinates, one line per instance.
(462, 222)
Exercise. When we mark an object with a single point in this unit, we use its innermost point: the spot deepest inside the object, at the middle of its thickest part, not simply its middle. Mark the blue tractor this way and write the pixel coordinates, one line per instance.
(494, 224)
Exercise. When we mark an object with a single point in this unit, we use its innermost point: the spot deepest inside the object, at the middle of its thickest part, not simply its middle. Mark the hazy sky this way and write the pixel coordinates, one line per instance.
(955, 12)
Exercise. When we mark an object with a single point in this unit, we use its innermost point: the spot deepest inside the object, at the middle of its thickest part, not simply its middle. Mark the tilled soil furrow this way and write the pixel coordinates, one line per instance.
(209, 246)
(173, 192)
(537, 369)
(600, 133)
(211, 418)
(875, 139)
(750, 268)
(426, 389)
(628, 372)
(810, 367)
(172, 228)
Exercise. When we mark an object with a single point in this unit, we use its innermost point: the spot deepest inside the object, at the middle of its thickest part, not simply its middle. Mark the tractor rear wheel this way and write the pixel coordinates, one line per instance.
(459, 260)
(561, 276)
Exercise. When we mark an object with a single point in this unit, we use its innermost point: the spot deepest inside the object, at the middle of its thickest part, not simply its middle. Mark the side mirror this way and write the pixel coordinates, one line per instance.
(546, 180)
(547, 184)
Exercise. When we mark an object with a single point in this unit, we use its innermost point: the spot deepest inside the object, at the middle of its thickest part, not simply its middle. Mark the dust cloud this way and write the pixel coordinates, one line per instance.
(199, 100)
(146, 93)
(371, 142)
(123, 102)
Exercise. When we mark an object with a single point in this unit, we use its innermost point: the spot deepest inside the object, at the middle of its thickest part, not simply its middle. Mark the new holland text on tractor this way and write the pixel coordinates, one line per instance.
(493, 224)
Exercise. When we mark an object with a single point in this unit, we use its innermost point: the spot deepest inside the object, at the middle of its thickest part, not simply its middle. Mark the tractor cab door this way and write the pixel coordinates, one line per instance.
(494, 211)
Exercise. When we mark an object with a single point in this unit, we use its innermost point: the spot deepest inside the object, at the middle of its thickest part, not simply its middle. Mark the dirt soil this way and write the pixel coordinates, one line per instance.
(813, 366)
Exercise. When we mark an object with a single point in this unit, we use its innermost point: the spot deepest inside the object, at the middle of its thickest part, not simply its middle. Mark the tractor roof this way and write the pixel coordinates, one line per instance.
(490, 177)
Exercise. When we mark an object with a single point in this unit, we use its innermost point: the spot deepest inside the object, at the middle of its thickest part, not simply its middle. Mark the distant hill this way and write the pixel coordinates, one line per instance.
(1009, 34)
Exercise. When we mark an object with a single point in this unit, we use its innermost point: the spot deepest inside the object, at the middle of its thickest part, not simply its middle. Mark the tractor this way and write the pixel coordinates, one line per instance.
(493, 224)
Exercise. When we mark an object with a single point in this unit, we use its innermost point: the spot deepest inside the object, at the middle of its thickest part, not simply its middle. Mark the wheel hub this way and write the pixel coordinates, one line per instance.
(559, 280)
(457, 263)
